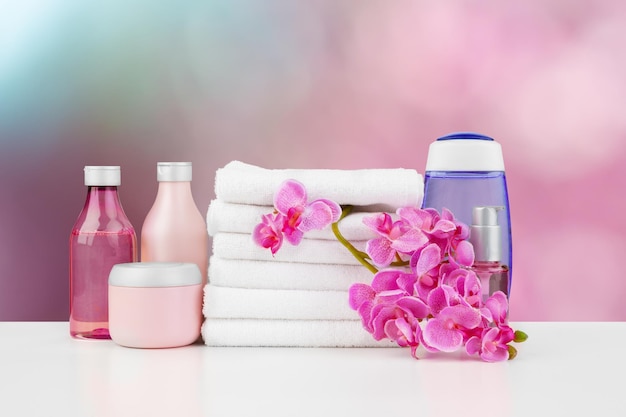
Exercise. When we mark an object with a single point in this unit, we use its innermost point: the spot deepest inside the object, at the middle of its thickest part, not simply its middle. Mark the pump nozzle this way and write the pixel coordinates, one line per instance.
(485, 233)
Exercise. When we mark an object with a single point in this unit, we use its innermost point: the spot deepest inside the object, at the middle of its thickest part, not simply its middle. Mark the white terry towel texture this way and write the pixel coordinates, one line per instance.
(288, 333)
(299, 296)
(243, 218)
(227, 302)
(240, 273)
(242, 246)
(242, 183)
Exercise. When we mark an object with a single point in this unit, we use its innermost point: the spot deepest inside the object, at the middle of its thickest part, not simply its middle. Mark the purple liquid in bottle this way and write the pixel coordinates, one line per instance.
(101, 238)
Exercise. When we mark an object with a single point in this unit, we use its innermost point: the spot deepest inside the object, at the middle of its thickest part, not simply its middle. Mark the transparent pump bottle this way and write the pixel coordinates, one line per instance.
(486, 238)
(465, 171)
(101, 237)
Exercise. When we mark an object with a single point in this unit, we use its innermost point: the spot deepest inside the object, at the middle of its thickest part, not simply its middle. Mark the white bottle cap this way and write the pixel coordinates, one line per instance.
(173, 171)
(466, 152)
(103, 176)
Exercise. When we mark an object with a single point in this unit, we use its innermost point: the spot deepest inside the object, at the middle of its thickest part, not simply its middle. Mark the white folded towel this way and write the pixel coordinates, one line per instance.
(241, 246)
(227, 302)
(242, 218)
(285, 275)
(288, 333)
(242, 183)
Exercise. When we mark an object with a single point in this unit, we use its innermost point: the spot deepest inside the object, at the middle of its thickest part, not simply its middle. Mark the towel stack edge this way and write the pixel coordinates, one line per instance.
(288, 333)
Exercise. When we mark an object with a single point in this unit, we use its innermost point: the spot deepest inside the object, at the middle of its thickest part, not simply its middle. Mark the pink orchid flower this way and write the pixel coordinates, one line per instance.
(444, 230)
(393, 279)
(387, 310)
(387, 288)
(405, 332)
(390, 305)
(396, 237)
(459, 249)
(379, 249)
(441, 297)
(466, 284)
(361, 298)
(427, 220)
(498, 305)
(492, 345)
(426, 264)
(299, 216)
(268, 233)
(399, 321)
(469, 287)
(462, 252)
(446, 331)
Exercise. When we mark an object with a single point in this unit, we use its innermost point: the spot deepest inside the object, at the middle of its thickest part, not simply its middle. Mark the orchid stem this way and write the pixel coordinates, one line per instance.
(399, 261)
(360, 256)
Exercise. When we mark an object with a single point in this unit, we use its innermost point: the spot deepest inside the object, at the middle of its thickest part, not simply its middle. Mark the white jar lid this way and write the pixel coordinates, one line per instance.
(103, 176)
(154, 274)
(465, 152)
(173, 171)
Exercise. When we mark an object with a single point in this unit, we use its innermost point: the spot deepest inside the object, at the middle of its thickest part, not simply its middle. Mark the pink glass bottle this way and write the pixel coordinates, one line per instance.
(174, 230)
(485, 236)
(101, 237)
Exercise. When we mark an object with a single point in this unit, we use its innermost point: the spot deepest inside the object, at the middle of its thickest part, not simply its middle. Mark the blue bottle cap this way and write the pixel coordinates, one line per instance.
(465, 135)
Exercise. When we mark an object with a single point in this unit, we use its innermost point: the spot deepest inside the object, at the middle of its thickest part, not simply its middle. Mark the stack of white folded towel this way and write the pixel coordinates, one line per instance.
(299, 296)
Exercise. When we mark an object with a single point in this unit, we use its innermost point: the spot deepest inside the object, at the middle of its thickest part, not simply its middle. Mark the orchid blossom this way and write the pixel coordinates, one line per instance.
(396, 237)
(446, 331)
(293, 217)
(268, 233)
(425, 294)
(300, 216)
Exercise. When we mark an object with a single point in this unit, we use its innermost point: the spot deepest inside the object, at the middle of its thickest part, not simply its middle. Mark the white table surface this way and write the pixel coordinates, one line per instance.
(563, 369)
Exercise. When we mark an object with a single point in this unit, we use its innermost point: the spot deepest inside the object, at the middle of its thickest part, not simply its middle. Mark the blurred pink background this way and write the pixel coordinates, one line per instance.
(317, 84)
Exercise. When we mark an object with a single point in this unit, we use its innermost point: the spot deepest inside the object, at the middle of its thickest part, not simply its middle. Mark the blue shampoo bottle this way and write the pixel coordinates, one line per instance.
(465, 173)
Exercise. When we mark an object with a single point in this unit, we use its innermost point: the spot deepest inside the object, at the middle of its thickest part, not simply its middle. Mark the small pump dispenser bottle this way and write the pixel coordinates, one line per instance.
(174, 230)
(486, 238)
(101, 237)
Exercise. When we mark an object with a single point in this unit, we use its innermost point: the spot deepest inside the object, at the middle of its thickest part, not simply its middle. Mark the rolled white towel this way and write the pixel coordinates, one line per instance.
(242, 218)
(227, 302)
(239, 273)
(288, 333)
(242, 183)
(312, 251)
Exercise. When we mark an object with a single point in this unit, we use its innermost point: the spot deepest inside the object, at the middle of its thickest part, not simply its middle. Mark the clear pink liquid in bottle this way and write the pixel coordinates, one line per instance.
(101, 237)
(174, 230)
(493, 277)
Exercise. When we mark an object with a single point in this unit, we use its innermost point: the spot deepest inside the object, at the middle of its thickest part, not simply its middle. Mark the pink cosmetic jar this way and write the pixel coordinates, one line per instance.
(155, 304)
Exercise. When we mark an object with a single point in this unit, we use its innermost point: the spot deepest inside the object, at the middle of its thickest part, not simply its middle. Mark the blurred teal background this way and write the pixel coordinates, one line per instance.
(317, 84)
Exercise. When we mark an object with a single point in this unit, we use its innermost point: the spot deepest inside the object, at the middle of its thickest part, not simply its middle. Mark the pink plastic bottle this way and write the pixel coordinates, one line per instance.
(174, 229)
(101, 237)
